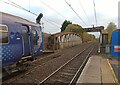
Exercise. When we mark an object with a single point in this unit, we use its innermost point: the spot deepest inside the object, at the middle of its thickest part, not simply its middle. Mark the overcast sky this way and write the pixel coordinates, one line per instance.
(106, 11)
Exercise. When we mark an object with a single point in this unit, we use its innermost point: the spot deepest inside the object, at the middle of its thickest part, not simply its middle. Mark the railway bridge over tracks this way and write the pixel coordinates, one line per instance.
(63, 40)
(103, 39)
(68, 39)
(103, 33)
(94, 29)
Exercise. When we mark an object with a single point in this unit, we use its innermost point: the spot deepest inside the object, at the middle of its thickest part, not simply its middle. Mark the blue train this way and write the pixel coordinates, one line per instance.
(20, 40)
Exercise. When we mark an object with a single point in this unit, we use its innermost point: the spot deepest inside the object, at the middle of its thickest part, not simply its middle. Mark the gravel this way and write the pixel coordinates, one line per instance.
(41, 68)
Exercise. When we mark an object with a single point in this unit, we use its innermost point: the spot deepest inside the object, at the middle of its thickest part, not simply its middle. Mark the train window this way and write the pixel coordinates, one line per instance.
(34, 37)
(25, 34)
(3, 34)
(40, 35)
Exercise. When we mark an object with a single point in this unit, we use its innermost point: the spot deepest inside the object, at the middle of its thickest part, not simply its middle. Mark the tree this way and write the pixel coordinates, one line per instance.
(74, 28)
(64, 25)
(110, 28)
(78, 29)
(88, 37)
(92, 37)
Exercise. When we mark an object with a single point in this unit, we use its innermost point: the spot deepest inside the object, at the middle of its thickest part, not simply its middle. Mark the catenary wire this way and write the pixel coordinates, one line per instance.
(83, 9)
(52, 9)
(20, 7)
(75, 12)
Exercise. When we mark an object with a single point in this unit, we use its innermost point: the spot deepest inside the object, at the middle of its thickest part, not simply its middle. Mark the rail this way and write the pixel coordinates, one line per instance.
(41, 82)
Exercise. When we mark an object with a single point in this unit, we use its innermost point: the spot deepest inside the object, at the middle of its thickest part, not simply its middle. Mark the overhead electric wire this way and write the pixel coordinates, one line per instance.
(83, 9)
(52, 22)
(75, 12)
(20, 7)
(52, 9)
(8, 3)
(29, 5)
(29, 11)
(95, 12)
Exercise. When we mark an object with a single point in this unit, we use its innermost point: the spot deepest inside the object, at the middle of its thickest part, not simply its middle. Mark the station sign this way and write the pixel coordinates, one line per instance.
(117, 48)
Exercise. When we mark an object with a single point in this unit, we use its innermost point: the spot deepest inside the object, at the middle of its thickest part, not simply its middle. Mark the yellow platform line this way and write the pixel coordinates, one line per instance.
(26, 57)
(113, 73)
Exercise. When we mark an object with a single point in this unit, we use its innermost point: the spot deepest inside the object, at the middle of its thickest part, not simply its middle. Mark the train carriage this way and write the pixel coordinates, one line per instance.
(20, 39)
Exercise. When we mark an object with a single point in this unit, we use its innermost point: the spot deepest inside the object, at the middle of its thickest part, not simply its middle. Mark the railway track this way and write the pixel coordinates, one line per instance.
(41, 60)
(69, 66)
(70, 71)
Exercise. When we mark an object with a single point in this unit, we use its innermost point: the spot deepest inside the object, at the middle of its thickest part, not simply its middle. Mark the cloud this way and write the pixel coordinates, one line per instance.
(107, 11)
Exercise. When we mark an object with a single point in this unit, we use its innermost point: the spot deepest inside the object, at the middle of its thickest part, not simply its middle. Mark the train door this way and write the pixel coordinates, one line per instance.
(36, 39)
(25, 40)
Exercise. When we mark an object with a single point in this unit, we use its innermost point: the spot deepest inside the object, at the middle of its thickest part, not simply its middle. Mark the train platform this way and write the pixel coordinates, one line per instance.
(115, 67)
(98, 70)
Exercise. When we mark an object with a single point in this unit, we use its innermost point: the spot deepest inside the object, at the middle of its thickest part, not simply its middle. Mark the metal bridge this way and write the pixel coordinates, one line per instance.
(94, 29)
(103, 39)
(64, 39)
(103, 34)
(68, 39)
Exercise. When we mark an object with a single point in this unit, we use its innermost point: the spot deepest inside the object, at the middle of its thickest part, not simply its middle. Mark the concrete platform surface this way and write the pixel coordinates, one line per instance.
(97, 70)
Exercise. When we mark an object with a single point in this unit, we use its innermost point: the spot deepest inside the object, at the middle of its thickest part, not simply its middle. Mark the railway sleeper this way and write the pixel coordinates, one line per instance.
(59, 80)
(66, 73)
(70, 70)
(61, 77)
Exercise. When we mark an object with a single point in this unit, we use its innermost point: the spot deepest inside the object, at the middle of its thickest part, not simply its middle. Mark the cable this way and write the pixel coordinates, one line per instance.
(29, 5)
(18, 6)
(95, 12)
(51, 22)
(75, 12)
(9, 3)
(83, 9)
(52, 9)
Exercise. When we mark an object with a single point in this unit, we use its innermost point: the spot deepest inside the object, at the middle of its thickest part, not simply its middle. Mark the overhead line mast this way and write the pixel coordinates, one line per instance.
(95, 12)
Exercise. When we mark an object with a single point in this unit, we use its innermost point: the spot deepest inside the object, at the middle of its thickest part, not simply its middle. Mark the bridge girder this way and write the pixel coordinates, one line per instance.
(94, 29)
